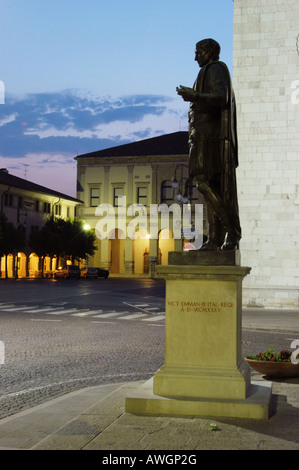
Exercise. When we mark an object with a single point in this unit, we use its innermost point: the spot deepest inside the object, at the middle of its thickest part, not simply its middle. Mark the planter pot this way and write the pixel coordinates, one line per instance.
(274, 369)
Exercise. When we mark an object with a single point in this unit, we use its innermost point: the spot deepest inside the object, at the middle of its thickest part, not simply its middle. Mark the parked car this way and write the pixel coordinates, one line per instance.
(89, 273)
(103, 272)
(69, 272)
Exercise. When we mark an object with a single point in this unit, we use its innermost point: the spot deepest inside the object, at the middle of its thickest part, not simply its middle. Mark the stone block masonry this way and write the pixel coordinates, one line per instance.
(266, 84)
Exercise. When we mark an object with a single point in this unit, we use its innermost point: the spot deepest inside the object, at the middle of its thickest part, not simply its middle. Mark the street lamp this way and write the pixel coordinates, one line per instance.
(184, 185)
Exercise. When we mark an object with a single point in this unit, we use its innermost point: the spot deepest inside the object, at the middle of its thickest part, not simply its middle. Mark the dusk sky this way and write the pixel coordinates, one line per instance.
(79, 76)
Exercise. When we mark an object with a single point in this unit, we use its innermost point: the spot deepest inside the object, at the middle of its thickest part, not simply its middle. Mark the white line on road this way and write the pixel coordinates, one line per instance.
(61, 312)
(101, 322)
(131, 317)
(139, 306)
(14, 309)
(44, 319)
(85, 314)
(41, 310)
(108, 315)
(154, 318)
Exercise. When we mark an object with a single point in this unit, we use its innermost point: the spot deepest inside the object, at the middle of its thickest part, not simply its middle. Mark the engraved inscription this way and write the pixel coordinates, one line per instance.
(207, 307)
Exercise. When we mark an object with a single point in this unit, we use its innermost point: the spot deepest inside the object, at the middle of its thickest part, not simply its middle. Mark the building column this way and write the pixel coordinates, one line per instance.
(155, 184)
(129, 263)
(106, 183)
(153, 256)
(130, 185)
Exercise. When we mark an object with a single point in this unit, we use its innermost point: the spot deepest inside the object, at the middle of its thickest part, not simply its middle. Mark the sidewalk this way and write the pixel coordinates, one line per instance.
(95, 419)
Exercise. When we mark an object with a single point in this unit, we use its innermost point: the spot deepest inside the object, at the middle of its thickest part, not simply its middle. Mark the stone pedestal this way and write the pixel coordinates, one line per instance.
(204, 372)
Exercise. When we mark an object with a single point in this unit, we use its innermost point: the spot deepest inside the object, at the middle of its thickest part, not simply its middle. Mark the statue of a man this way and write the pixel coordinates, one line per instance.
(213, 147)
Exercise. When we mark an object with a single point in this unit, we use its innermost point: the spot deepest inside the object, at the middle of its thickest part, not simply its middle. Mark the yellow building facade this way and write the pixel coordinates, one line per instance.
(119, 187)
(28, 206)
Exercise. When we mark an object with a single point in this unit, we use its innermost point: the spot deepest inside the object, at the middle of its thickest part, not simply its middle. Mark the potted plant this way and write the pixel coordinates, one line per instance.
(274, 364)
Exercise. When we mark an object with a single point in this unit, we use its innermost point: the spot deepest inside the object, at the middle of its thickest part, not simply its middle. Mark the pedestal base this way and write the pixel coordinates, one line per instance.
(197, 382)
(255, 406)
(204, 372)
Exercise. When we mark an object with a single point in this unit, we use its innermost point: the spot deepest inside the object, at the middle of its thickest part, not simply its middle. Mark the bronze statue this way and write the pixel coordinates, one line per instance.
(213, 146)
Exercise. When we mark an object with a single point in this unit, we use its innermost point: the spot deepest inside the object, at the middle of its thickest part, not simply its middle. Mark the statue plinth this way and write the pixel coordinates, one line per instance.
(204, 373)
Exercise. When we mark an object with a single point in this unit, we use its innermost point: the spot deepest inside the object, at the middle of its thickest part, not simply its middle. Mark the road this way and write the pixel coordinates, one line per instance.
(63, 335)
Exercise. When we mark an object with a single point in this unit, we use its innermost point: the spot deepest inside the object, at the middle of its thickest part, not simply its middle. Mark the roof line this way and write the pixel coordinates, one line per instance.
(17, 182)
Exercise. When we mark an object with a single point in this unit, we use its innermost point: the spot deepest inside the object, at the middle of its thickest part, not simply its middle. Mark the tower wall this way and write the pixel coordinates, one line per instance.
(266, 84)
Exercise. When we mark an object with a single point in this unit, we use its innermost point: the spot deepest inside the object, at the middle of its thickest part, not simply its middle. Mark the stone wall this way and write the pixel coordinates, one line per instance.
(266, 83)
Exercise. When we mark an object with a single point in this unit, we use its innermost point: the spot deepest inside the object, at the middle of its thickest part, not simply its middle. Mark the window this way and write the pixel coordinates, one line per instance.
(58, 209)
(37, 205)
(167, 193)
(47, 207)
(94, 197)
(117, 192)
(142, 195)
(8, 200)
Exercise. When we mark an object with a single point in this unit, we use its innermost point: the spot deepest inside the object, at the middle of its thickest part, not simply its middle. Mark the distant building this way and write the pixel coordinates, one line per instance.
(266, 84)
(27, 206)
(142, 173)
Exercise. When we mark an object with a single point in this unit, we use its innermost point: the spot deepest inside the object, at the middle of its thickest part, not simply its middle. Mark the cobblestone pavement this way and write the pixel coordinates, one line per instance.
(44, 360)
(51, 352)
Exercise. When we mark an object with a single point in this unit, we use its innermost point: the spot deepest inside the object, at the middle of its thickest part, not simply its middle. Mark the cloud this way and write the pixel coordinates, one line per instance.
(76, 123)
(43, 132)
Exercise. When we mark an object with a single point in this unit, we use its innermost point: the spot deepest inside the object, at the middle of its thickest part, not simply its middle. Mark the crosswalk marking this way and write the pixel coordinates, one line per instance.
(44, 320)
(59, 312)
(107, 315)
(139, 305)
(85, 314)
(131, 317)
(154, 318)
(143, 314)
(41, 310)
(14, 309)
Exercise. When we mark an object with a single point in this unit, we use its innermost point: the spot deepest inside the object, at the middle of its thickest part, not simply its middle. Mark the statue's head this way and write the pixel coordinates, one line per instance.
(207, 50)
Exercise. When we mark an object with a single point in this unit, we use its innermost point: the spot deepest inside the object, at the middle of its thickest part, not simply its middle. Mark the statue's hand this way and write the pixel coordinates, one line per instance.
(188, 94)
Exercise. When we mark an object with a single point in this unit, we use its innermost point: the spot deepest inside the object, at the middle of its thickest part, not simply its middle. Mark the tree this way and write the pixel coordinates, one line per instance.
(78, 241)
(12, 239)
(63, 238)
(45, 242)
